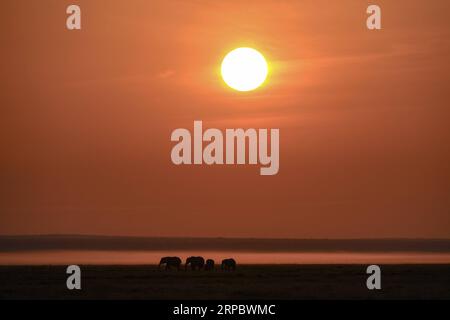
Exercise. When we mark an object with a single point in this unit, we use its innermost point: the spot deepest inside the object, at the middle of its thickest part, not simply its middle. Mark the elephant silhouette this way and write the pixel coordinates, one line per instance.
(209, 265)
(196, 263)
(228, 264)
(170, 262)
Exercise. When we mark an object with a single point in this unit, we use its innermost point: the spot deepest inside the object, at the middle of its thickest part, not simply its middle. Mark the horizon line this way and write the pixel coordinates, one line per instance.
(211, 237)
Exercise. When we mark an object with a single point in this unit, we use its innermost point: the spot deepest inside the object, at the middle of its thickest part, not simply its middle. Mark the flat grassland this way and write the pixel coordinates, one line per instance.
(247, 282)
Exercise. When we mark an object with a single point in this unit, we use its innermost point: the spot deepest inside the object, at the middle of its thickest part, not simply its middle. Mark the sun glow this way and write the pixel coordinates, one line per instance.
(244, 69)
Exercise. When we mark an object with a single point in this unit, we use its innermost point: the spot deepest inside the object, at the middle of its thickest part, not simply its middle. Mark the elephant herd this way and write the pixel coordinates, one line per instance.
(196, 263)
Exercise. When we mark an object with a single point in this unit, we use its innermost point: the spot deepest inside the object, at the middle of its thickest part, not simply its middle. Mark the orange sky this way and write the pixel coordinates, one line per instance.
(86, 118)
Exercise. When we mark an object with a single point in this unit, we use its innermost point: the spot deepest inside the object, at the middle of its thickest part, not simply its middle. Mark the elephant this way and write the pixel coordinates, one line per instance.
(229, 264)
(170, 262)
(196, 263)
(209, 265)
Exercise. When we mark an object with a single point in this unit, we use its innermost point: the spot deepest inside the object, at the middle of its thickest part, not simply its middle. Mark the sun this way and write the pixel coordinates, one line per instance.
(244, 69)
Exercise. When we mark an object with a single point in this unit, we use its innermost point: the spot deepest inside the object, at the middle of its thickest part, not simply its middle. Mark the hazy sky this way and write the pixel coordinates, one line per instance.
(86, 118)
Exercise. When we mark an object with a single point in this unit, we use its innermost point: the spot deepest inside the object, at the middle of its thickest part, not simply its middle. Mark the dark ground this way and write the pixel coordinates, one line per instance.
(248, 282)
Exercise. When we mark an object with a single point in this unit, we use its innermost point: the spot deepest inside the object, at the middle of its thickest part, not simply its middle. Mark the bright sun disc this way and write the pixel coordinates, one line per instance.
(244, 69)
